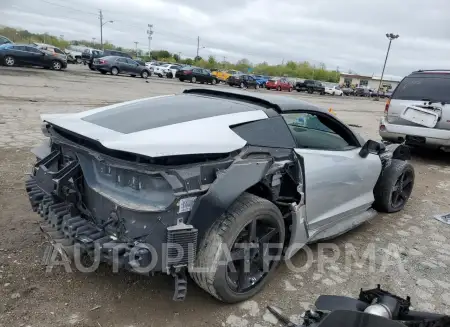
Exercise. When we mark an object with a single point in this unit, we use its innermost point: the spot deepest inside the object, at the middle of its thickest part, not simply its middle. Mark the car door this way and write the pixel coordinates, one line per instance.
(20, 55)
(339, 182)
(133, 66)
(35, 56)
(121, 63)
(206, 75)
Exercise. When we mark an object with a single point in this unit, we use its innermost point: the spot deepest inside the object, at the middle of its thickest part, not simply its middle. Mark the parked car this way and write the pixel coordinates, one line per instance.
(57, 52)
(13, 54)
(261, 80)
(225, 74)
(195, 74)
(166, 70)
(363, 92)
(388, 94)
(348, 91)
(310, 86)
(244, 81)
(121, 65)
(418, 111)
(279, 84)
(258, 166)
(5, 40)
(333, 90)
(89, 55)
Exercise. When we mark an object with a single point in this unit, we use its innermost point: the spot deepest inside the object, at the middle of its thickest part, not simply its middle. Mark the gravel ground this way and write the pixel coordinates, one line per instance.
(409, 250)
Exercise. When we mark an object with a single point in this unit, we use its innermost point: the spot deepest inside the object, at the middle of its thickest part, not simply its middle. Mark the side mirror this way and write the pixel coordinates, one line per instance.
(371, 147)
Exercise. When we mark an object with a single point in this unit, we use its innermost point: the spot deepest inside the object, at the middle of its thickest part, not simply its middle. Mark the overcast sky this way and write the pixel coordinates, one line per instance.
(346, 33)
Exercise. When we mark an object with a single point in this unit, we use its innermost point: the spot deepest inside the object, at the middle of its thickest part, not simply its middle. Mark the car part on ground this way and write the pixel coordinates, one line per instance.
(375, 307)
(418, 111)
(445, 218)
(235, 169)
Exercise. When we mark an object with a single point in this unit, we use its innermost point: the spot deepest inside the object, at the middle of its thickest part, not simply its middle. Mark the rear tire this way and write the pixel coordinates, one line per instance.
(223, 234)
(193, 80)
(395, 183)
(103, 72)
(56, 65)
(144, 74)
(114, 71)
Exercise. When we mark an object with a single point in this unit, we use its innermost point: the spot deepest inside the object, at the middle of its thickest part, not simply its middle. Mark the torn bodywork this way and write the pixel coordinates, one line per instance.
(143, 216)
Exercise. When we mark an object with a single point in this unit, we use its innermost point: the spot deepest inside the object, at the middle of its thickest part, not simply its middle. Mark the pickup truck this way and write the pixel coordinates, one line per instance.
(310, 86)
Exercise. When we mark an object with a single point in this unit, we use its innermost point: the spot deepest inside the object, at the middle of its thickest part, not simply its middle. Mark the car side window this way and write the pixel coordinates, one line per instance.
(131, 61)
(33, 50)
(314, 131)
(123, 60)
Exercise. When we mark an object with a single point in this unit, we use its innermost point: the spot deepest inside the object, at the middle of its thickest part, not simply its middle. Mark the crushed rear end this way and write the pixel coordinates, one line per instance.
(120, 208)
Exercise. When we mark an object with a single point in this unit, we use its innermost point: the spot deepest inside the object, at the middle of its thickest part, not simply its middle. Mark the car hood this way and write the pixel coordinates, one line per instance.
(194, 136)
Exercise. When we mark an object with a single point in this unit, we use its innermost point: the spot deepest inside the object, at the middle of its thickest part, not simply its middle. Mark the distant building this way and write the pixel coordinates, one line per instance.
(371, 82)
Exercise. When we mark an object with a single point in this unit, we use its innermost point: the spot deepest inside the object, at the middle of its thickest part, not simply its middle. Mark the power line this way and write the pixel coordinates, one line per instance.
(70, 8)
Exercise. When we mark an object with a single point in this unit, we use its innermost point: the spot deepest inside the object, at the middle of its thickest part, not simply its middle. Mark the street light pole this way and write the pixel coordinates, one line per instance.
(391, 37)
(101, 27)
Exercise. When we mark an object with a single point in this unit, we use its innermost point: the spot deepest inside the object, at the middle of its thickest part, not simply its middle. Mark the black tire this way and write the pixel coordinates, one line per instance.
(214, 81)
(145, 74)
(103, 72)
(193, 79)
(115, 71)
(181, 79)
(385, 190)
(133, 75)
(56, 65)
(9, 61)
(224, 231)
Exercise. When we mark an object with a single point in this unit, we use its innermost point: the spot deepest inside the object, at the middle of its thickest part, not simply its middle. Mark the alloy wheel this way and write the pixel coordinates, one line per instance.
(9, 61)
(56, 65)
(252, 254)
(402, 189)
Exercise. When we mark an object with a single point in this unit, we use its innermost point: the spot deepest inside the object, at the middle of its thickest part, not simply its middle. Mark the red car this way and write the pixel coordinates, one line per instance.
(279, 84)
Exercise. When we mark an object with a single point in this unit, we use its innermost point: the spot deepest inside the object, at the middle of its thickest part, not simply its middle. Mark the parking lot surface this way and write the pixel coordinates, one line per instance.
(411, 252)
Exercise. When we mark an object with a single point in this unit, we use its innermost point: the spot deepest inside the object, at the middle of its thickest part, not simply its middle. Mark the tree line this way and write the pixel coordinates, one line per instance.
(289, 69)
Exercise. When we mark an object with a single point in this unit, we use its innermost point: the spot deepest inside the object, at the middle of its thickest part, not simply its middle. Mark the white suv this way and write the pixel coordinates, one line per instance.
(418, 112)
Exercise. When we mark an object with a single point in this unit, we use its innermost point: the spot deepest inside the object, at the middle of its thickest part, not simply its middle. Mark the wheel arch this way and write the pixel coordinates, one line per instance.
(228, 186)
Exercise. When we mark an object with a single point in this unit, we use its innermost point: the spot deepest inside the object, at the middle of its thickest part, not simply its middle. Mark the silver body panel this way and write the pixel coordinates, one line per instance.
(339, 190)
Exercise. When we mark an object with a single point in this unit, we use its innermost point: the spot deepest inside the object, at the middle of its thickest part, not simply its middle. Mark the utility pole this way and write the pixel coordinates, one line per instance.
(101, 27)
(391, 37)
(136, 42)
(150, 33)
(337, 72)
(198, 46)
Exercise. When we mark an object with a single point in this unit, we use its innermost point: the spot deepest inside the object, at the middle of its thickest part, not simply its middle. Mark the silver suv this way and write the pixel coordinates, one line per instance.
(418, 112)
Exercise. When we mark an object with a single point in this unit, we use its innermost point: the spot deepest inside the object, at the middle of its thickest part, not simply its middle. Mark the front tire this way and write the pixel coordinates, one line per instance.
(193, 80)
(9, 61)
(249, 220)
(394, 186)
(214, 81)
(144, 74)
(279, 88)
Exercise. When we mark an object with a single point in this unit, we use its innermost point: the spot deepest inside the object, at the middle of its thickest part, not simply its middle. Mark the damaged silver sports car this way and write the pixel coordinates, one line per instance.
(179, 183)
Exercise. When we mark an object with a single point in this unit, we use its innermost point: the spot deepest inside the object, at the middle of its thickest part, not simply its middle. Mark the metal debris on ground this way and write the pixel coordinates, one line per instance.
(445, 218)
(355, 125)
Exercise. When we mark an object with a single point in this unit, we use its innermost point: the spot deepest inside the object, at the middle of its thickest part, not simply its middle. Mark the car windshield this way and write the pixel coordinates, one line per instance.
(432, 87)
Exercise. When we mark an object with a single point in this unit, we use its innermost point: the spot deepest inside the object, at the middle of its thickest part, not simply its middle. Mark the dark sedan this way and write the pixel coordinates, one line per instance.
(195, 74)
(28, 55)
(120, 65)
(243, 81)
